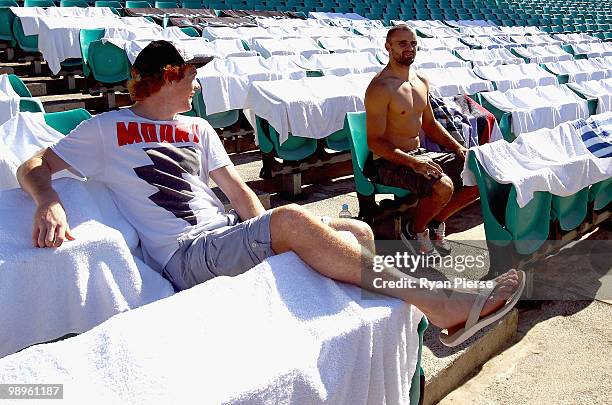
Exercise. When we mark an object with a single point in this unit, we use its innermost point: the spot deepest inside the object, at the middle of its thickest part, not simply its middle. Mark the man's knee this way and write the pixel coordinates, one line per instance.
(290, 217)
(443, 189)
(361, 230)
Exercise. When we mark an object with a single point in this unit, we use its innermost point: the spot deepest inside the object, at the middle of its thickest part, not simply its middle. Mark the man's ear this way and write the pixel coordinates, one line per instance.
(388, 47)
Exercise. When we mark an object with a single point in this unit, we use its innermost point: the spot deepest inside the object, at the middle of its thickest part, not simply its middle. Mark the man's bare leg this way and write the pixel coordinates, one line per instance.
(292, 228)
(431, 206)
(461, 198)
(362, 231)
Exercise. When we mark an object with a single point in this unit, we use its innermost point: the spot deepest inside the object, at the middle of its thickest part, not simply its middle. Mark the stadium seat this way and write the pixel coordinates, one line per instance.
(86, 37)
(19, 86)
(293, 149)
(219, 120)
(570, 210)
(355, 123)
(339, 140)
(192, 32)
(27, 103)
(28, 43)
(38, 3)
(108, 63)
(8, 3)
(74, 3)
(493, 200)
(601, 194)
(115, 6)
(192, 4)
(530, 225)
(137, 4)
(166, 4)
(6, 23)
(66, 121)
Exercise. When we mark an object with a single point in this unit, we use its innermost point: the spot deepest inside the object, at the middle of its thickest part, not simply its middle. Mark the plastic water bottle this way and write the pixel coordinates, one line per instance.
(345, 213)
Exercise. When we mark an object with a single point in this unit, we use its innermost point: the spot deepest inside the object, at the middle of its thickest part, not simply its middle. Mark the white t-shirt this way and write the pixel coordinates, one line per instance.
(157, 172)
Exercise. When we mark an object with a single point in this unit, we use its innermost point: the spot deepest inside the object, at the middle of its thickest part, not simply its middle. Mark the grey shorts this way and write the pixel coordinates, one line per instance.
(226, 251)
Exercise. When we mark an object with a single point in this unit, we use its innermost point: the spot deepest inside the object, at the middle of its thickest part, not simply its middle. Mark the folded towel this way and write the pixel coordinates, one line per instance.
(277, 334)
(9, 100)
(562, 161)
(20, 138)
(48, 293)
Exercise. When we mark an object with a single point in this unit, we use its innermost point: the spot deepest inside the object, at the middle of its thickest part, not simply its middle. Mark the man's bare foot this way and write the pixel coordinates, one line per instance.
(451, 309)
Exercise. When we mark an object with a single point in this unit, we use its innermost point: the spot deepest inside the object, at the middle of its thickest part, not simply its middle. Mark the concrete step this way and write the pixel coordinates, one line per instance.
(446, 368)
(42, 86)
(94, 104)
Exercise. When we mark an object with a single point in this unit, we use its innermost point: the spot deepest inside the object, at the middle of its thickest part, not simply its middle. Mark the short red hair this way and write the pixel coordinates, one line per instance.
(141, 87)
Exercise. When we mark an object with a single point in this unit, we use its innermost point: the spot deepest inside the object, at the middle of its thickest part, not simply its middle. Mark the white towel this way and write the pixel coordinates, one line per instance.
(562, 161)
(446, 82)
(542, 107)
(277, 334)
(20, 138)
(599, 89)
(313, 107)
(508, 77)
(9, 100)
(48, 293)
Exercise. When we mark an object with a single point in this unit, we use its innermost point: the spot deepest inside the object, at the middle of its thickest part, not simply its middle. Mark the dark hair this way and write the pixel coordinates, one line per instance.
(393, 30)
(141, 87)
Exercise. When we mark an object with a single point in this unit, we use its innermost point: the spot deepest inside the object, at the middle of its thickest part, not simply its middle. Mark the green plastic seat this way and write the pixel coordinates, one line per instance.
(530, 225)
(166, 4)
(601, 194)
(115, 6)
(192, 32)
(295, 148)
(66, 121)
(28, 43)
(74, 3)
(38, 3)
(8, 3)
(6, 25)
(137, 4)
(192, 4)
(108, 63)
(19, 86)
(493, 201)
(219, 120)
(355, 122)
(339, 140)
(571, 210)
(30, 104)
(87, 36)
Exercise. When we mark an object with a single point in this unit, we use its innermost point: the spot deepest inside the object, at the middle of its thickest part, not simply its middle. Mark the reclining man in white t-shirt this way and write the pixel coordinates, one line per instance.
(157, 164)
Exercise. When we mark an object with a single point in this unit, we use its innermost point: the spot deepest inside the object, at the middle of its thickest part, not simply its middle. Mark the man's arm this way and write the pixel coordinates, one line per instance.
(243, 199)
(50, 227)
(436, 132)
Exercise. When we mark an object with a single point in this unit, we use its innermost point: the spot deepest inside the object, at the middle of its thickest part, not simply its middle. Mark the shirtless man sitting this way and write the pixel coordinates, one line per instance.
(397, 107)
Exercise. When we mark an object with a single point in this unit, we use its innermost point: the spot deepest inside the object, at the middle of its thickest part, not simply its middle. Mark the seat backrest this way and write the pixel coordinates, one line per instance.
(356, 124)
(19, 86)
(115, 6)
(108, 63)
(529, 225)
(87, 36)
(66, 121)
(74, 3)
(8, 3)
(137, 4)
(166, 4)
(38, 3)
(28, 43)
(493, 200)
(192, 32)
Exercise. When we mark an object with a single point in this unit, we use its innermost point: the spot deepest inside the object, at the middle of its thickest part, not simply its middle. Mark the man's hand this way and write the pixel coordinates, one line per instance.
(426, 167)
(461, 151)
(50, 225)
